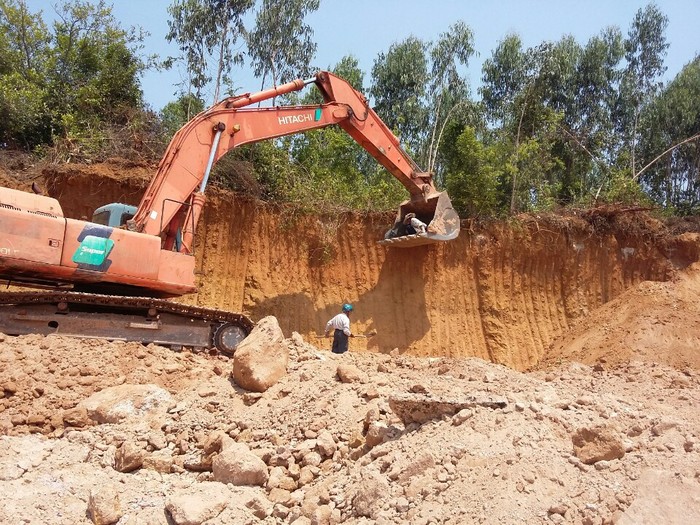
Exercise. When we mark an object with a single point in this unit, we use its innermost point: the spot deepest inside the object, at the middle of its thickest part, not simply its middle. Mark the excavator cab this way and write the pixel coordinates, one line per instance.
(436, 211)
(113, 215)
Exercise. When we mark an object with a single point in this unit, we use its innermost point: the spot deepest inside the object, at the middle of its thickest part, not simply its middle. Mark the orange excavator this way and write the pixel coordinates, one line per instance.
(110, 277)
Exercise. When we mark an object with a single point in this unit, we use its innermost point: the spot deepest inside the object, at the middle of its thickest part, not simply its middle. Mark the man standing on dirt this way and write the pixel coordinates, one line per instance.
(341, 324)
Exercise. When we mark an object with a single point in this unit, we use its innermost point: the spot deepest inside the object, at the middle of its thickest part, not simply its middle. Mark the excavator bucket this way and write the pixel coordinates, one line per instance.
(436, 211)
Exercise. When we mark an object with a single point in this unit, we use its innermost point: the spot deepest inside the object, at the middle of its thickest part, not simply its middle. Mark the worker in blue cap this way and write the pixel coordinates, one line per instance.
(341, 326)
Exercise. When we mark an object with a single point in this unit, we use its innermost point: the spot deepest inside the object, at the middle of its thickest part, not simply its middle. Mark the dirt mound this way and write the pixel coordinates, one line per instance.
(573, 445)
(653, 321)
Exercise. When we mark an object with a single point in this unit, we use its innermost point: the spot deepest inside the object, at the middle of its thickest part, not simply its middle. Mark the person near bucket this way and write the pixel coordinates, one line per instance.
(341, 326)
(414, 225)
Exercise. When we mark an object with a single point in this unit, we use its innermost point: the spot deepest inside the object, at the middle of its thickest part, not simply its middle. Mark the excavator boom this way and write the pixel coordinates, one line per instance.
(172, 203)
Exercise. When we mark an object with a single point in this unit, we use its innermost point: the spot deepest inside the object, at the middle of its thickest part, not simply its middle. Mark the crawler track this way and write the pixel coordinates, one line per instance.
(143, 319)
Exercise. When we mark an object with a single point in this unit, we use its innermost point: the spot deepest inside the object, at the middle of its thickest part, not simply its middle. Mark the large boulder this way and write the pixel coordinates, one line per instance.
(123, 402)
(261, 359)
(601, 443)
(237, 465)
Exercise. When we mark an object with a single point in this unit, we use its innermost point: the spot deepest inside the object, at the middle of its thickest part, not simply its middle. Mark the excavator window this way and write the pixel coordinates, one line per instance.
(101, 218)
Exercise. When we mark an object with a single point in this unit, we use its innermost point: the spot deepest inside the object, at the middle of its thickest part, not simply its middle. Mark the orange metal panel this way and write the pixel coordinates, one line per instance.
(27, 236)
(176, 273)
(110, 254)
(30, 202)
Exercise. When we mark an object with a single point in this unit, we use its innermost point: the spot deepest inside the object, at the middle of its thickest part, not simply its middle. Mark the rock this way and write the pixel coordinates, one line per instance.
(129, 457)
(195, 505)
(419, 408)
(376, 433)
(596, 444)
(261, 358)
(368, 499)
(76, 417)
(322, 515)
(259, 506)
(124, 402)
(104, 507)
(239, 466)
(348, 373)
(36, 420)
(9, 388)
(461, 416)
(161, 461)
(326, 444)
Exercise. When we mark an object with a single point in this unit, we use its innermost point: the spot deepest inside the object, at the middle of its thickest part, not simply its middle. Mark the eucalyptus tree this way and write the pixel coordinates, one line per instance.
(418, 86)
(670, 143)
(208, 31)
(448, 88)
(645, 50)
(281, 42)
(399, 89)
(505, 76)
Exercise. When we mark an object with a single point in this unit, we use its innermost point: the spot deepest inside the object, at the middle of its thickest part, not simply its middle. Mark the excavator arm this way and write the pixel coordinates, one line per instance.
(172, 204)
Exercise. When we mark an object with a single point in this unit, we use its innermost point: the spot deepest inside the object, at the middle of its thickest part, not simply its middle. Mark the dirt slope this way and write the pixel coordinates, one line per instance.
(335, 450)
(653, 322)
(499, 292)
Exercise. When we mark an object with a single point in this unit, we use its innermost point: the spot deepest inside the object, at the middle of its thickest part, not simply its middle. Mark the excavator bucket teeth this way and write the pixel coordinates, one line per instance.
(436, 211)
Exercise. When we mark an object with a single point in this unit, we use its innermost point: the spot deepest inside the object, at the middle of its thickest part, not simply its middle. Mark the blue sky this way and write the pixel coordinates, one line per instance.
(365, 28)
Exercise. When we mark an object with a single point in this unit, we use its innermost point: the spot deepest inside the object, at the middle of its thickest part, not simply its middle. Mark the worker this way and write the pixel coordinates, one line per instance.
(414, 225)
(341, 326)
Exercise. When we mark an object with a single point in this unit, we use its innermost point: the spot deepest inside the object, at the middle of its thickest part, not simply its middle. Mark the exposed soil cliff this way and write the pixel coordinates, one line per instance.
(502, 291)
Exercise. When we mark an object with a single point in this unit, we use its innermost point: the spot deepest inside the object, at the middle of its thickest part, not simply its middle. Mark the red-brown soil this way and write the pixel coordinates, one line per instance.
(601, 309)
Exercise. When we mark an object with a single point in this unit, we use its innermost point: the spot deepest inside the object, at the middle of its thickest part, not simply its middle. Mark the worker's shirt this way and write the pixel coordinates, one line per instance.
(339, 322)
(418, 225)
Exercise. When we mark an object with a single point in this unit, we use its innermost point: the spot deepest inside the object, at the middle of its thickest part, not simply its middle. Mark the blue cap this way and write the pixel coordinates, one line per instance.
(347, 307)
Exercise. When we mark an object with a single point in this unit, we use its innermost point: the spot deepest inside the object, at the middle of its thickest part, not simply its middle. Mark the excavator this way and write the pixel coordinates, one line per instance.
(111, 277)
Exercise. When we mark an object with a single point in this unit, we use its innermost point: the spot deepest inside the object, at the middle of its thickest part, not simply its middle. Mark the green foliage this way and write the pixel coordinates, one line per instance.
(71, 82)
(473, 175)
(400, 79)
(206, 28)
(280, 45)
(176, 114)
(672, 174)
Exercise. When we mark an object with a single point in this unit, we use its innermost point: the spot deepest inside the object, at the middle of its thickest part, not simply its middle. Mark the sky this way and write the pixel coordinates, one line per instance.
(366, 28)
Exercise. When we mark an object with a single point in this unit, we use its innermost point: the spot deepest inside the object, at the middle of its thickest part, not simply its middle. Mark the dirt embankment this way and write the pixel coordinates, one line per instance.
(502, 292)
(104, 432)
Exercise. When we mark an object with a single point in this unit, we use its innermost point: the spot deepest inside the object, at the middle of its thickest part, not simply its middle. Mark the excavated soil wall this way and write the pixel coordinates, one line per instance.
(501, 291)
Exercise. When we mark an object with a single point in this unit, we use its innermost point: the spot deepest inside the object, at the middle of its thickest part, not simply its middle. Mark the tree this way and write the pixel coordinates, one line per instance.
(645, 49)
(176, 114)
(670, 143)
(449, 90)
(203, 28)
(473, 184)
(505, 75)
(24, 49)
(399, 89)
(280, 45)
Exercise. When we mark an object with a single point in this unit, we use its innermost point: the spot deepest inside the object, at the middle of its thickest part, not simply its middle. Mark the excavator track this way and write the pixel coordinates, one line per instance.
(113, 317)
